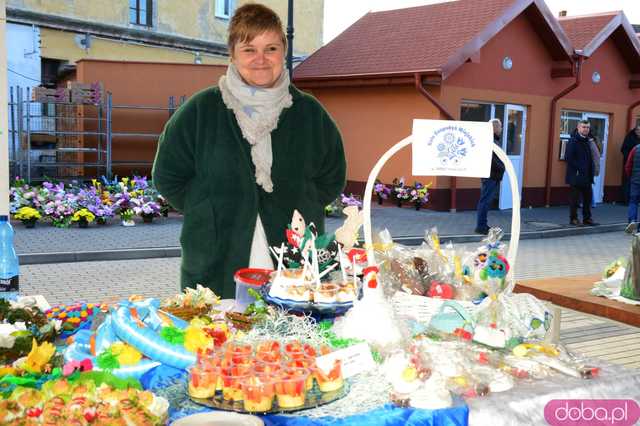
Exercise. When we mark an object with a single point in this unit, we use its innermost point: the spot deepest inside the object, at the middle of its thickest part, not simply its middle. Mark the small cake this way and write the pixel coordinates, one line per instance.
(203, 382)
(347, 292)
(331, 380)
(290, 387)
(290, 285)
(326, 293)
(258, 393)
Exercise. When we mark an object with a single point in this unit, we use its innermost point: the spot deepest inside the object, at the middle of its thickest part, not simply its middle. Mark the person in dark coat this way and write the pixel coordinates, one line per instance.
(580, 172)
(632, 172)
(239, 158)
(630, 141)
(490, 186)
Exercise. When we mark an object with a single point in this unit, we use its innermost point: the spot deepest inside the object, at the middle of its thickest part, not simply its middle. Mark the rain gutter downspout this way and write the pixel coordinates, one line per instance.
(443, 111)
(552, 127)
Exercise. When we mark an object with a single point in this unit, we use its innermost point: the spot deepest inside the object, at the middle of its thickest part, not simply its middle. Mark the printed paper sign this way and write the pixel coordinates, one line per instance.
(355, 360)
(413, 307)
(452, 148)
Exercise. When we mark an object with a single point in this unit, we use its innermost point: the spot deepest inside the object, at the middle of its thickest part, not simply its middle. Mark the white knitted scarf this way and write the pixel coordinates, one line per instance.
(257, 111)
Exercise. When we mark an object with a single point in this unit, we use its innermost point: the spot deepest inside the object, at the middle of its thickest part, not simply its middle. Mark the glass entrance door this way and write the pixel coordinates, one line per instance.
(513, 143)
(600, 131)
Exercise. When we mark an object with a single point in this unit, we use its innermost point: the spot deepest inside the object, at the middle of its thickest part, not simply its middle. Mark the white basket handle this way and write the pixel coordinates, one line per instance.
(515, 196)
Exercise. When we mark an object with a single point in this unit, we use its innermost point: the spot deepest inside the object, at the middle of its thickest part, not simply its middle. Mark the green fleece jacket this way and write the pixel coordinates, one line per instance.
(203, 168)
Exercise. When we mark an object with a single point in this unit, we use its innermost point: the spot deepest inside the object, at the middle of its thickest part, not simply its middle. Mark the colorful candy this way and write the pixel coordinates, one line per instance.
(74, 317)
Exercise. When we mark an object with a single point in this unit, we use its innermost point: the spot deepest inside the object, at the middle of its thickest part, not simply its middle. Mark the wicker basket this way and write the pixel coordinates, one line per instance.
(186, 313)
(425, 307)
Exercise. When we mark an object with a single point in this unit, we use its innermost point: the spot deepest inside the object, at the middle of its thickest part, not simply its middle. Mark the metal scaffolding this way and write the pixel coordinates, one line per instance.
(67, 141)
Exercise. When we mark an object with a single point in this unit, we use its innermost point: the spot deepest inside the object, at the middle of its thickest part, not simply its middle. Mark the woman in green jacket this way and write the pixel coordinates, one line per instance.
(237, 159)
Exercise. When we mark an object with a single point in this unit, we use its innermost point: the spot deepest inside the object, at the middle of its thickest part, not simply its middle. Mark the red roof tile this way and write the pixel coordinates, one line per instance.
(581, 30)
(405, 40)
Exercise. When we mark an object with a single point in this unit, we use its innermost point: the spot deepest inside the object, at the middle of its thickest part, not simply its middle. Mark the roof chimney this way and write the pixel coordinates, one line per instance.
(562, 13)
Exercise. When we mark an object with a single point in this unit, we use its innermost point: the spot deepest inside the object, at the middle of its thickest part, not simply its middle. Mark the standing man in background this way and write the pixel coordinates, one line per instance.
(630, 141)
(490, 186)
(632, 173)
(580, 172)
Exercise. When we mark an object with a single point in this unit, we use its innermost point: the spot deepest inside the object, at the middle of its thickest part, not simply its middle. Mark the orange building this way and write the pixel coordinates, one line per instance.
(477, 60)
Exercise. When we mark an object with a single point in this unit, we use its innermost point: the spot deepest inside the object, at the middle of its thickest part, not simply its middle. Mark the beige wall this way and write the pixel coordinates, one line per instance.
(186, 18)
(62, 45)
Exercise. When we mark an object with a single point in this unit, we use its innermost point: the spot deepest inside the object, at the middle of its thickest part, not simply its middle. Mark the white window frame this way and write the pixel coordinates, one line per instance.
(220, 6)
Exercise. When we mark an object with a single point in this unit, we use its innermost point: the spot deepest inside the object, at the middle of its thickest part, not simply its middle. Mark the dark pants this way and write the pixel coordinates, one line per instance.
(575, 192)
(626, 182)
(487, 194)
(634, 199)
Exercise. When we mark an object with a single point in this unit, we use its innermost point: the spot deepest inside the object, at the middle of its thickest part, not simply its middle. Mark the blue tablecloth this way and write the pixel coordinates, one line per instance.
(171, 383)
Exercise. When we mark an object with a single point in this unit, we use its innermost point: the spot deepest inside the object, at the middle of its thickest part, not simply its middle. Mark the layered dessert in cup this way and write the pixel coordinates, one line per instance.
(269, 351)
(238, 353)
(232, 377)
(203, 380)
(258, 391)
(305, 362)
(290, 387)
(329, 381)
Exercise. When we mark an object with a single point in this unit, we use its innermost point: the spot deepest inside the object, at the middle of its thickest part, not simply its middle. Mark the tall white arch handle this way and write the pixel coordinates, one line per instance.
(515, 196)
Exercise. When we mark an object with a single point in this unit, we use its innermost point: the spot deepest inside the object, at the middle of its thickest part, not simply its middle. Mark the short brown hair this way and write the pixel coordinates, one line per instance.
(252, 20)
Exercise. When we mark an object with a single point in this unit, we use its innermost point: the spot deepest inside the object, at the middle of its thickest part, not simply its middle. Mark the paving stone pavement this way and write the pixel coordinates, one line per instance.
(401, 222)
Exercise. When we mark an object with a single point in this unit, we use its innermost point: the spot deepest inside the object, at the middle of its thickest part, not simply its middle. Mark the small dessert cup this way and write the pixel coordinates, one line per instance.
(269, 351)
(331, 380)
(231, 382)
(258, 391)
(203, 382)
(305, 362)
(294, 349)
(238, 353)
(326, 293)
(290, 387)
(266, 367)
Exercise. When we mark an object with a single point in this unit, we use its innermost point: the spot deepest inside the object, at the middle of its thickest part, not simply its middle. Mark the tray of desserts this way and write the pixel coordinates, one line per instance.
(312, 399)
(269, 378)
(288, 291)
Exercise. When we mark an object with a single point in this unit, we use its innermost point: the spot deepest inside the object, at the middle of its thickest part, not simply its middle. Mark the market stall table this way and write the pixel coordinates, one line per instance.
(574, 293)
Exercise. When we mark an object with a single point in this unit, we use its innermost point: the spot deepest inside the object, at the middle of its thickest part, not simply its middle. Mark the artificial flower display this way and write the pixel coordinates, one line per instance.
(39, 356)
(83, 215)
(27, 215)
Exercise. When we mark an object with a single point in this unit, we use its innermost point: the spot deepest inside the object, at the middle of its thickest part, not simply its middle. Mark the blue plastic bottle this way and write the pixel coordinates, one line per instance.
(9, 268)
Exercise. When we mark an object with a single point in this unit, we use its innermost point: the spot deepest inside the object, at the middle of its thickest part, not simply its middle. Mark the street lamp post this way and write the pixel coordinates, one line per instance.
(290, 39)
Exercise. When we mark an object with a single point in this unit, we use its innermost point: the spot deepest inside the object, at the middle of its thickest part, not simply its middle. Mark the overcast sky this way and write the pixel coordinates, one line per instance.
(340, 14)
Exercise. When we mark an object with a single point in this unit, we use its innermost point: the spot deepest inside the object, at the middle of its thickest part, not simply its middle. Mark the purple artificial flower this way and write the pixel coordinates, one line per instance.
(140, 182)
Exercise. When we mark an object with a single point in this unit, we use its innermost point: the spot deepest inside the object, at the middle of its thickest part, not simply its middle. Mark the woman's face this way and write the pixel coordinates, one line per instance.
(260, 61)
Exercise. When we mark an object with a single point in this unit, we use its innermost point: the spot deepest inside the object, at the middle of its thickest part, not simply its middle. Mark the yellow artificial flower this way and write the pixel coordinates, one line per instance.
(195, 338)
(83, 214)
(126, 354)
(27, 213)
(39, 356)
